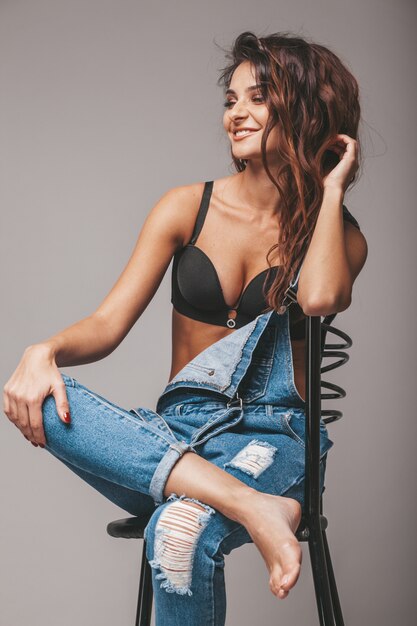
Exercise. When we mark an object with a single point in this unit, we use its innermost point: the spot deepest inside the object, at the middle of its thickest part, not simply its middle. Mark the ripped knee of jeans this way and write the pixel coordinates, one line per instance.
(254, 458)
(177, 532)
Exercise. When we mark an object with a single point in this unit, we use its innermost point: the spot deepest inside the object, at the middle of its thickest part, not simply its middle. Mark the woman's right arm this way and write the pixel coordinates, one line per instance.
(99, 334)
(165, 230)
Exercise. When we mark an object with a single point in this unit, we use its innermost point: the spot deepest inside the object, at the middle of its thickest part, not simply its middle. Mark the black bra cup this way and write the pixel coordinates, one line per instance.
(199, 284)
(198, 281)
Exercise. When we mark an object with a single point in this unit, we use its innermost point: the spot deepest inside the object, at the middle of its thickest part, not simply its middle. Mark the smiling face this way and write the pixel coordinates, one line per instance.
(246, 115)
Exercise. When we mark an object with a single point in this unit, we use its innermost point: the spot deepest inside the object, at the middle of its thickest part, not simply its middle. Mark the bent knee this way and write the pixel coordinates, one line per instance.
(172, 535)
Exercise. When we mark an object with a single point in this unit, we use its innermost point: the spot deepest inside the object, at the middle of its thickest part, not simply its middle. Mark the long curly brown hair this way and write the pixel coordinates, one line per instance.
(311, 96)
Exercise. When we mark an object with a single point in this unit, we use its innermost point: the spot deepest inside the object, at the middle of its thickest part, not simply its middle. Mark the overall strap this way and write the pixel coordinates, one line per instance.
(290, 294)
(202, 211)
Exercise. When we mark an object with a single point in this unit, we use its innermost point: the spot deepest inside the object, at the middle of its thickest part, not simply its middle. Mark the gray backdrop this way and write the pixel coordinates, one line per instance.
(105, 105)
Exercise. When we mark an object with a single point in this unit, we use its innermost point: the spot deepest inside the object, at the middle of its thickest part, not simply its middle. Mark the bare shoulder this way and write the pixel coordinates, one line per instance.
(177, 209)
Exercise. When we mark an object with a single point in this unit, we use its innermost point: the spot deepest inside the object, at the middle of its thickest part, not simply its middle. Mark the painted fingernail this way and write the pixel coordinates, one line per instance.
(67, 417)
(41, 445)
(34, 444)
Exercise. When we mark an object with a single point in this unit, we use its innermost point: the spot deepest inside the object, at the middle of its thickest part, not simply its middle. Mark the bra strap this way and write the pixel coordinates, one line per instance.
(202, 211)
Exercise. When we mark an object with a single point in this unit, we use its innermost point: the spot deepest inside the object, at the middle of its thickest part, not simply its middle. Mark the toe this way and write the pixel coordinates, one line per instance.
(290, 577)
(278, 591)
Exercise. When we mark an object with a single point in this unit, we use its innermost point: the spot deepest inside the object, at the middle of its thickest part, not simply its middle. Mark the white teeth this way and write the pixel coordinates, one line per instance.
(243, 132)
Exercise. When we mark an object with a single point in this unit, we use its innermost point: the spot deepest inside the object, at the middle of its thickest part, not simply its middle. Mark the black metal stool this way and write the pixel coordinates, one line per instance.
(313, 524)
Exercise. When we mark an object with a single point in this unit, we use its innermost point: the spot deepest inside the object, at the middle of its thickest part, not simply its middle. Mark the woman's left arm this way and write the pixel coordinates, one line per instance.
(337, 250)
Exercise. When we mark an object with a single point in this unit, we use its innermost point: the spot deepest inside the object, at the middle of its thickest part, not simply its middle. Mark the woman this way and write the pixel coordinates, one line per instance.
(221, 460)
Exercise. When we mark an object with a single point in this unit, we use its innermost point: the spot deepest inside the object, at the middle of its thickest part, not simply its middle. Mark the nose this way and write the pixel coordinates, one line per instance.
(238, 111)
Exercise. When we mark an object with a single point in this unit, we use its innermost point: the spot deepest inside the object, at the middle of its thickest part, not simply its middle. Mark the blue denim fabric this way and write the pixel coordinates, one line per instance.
(236, 405)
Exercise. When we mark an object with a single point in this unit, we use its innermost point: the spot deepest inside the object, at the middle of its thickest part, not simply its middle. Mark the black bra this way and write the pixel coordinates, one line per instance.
(196, 291)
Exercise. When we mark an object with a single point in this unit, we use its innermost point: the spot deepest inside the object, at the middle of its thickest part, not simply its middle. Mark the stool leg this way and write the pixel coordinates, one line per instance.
(333, 589)
(145, 595)
(320, 576)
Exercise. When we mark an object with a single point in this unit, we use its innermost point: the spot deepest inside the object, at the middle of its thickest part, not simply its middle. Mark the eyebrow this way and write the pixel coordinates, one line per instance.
(251, 88)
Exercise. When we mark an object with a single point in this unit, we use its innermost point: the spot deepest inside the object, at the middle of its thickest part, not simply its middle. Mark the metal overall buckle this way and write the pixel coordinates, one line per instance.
(237, 399)
(290, 296)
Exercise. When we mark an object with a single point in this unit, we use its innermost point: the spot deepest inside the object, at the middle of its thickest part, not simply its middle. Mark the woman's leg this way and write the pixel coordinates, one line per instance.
(133, 502)
(140, 453)
(266, 452)
(186, 541)
(270, 520)
(106, 441)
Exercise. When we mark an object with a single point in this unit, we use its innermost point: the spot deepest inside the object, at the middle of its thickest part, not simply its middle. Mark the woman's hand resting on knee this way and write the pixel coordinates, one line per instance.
(35, 377)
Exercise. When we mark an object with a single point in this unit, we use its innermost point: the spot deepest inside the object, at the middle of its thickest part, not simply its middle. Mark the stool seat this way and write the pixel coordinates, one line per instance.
(133, 527)
(129, 527)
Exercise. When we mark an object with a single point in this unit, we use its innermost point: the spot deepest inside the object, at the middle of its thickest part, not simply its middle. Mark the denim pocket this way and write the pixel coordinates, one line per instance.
(294, 422)
(219, 421)
(295, 426)
(199, 405)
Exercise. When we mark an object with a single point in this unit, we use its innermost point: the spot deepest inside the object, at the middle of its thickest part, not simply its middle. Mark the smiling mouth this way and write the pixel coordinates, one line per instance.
(243, 133)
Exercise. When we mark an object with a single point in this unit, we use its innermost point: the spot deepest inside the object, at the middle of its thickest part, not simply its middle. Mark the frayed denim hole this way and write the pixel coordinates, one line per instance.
(254, 458)
(177, 533)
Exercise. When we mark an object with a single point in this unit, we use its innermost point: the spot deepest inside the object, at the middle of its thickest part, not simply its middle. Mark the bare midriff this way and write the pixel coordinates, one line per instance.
(190, 337)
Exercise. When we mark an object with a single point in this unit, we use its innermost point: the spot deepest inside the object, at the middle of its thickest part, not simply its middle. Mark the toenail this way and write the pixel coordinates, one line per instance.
(285, 580)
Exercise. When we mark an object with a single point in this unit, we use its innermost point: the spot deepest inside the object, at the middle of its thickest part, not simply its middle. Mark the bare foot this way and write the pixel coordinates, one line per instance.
(271, 521)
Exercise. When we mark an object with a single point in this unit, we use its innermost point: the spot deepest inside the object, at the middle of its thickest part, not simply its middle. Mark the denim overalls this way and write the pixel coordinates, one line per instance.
(259, 420)
(258, 435)
(236, 405)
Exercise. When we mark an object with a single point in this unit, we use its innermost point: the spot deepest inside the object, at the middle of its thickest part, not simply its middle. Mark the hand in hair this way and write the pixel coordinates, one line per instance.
(343, 173)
